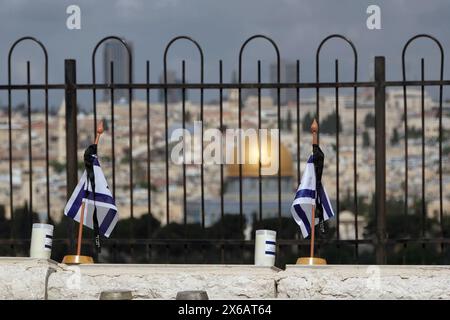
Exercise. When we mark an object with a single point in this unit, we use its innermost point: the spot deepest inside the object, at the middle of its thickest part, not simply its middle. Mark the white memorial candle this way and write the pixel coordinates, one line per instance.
(41, 241)
(265, 247)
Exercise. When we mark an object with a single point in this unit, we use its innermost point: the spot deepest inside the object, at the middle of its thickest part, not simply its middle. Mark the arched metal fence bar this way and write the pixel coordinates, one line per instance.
(30, 155)
(130, 113)
(277, 52)
(149, 172)
(405, 111)
(200, 50)
(355, 172)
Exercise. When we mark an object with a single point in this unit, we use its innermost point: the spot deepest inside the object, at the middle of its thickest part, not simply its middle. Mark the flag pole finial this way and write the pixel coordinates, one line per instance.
(314, 131)
(100, 130)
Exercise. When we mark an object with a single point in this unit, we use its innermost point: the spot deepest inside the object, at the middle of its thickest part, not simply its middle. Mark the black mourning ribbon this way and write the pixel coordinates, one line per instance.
(89, 156)
(318, 159)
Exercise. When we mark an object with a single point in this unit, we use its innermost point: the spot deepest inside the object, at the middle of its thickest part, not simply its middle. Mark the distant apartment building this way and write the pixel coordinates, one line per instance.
(173, 95)
(114, 51)
(288, 73)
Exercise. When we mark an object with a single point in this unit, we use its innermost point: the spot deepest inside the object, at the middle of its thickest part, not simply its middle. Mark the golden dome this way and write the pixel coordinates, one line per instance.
(250, 166)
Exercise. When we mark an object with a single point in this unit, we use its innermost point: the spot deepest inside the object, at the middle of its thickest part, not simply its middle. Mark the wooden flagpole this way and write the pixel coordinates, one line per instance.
(311, 260)
(78, 258)
(80, 230)
(313, 227)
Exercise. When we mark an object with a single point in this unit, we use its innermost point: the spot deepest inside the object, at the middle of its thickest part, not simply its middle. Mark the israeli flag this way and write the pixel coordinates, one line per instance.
(107, 215)
(305, 198)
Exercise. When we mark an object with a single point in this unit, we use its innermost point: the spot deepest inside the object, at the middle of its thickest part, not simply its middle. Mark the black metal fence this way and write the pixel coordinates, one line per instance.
(224, 242)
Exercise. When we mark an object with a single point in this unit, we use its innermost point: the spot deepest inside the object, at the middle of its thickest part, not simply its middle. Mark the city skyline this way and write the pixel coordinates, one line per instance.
(297, 36)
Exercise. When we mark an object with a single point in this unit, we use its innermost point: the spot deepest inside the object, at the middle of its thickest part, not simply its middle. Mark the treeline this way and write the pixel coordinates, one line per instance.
(128, 242)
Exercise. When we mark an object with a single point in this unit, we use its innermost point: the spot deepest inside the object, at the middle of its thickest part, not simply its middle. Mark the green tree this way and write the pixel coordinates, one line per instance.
(399, 225)
(366, 139)
(4, 223)
(446, 150)
(227, 227)
(105, 124)
(395, 137)
(141, 228)
(187, 116)
(369, 121)
(57, 166)
(307, 121)
(410, 226)
(20, 228)
(5, 232)
(23, 221)
(289, 121)
(286, 229)
(414, 133)
(328, 124)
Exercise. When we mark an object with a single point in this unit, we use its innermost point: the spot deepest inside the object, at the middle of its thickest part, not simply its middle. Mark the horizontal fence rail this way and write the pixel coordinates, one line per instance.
(249, 85)
(387, 235)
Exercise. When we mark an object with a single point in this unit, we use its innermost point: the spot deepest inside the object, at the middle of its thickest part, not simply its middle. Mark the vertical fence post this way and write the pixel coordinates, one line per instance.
(70, 77)
(380, 159)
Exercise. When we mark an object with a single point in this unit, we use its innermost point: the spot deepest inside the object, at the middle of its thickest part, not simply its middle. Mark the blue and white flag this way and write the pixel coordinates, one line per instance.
(107, 215)
(305, 199)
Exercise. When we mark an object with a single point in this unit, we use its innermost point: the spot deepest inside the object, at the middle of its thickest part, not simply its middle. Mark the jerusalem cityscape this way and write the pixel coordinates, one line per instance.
(289, 133)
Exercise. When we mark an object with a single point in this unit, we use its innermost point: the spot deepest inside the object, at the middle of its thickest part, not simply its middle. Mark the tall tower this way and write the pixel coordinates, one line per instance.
(116, 52)
(288, 73)
(173, 95)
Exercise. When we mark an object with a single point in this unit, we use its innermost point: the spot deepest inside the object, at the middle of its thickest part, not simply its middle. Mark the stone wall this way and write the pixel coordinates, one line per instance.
(26, 278)
(162, 281)
(364, 282)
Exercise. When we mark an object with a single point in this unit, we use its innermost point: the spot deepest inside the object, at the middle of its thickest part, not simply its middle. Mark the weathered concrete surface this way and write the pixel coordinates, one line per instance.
(364, 282)
(163, 281)
(24, 278)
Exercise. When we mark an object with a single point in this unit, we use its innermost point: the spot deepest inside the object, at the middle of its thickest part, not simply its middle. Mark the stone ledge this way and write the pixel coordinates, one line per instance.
(364, 282)
(163, 281)
(25, 278)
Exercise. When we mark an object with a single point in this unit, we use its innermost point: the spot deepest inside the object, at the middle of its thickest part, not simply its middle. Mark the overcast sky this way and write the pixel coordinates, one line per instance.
(221, 27)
